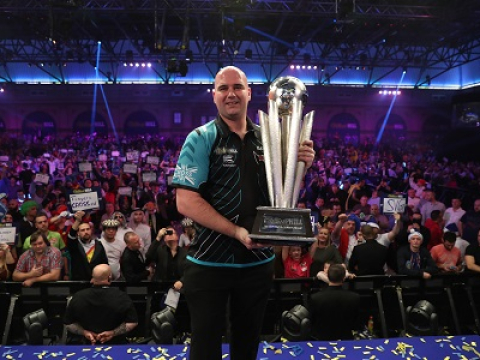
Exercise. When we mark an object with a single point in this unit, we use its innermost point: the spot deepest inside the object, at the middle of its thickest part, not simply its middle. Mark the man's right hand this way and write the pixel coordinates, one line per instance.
(90, 336)
(79, 215)
(342, 218)
(37, 271)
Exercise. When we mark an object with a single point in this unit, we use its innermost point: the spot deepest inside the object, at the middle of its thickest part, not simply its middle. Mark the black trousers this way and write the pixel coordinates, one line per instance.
(208, 290)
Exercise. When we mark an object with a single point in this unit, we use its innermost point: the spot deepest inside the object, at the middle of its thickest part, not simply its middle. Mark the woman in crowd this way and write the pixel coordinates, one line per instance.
(322, 250)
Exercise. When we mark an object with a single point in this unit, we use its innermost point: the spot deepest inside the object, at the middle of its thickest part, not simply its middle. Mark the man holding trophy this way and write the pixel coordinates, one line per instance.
(221, 180)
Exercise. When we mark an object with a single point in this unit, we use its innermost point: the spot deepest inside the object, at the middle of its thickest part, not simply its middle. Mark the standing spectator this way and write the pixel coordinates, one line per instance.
(113, 246)
(434, 225)
(139, 225)
(431, 205)
(370, 257)
(469, 223)
(413, 201)
(7, 262)
(27, 224)
(41, 262)
(85, 251)
(414, 259)
(323, 251)
(296, 262)
(344, 236)
(454, 213)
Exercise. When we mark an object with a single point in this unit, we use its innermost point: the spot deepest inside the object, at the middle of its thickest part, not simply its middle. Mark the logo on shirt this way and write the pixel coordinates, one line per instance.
(258, 157)
(224, 150)
(228, 161)
(185, 174)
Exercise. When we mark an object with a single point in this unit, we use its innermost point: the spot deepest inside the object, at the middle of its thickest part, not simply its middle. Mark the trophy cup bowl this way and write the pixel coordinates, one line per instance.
(283, 130)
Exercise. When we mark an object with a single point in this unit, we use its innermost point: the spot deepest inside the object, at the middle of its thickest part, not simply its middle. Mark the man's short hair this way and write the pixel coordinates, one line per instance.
(336, 273)
(450, 237)
(127, 236)
(36, 235)
(367, 232)
(435, 215)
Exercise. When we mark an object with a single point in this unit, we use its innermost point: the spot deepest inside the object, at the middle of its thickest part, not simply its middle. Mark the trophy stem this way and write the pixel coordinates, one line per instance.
(264, 128)
(276, 152)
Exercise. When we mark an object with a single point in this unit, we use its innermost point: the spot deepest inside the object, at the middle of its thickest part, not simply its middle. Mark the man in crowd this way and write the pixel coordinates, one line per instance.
(27, 224)
(85, 251)
(138, 225)
(334, 311)
(113, 246)
(430, 205)
(41, 224)
(447, 257)
(345, 236)
(472, 256)
(41, 262)
(469, 223)
(225, 265)
(370, 257)
(454, 213)
(132, 263)
(101, 314)
(415, 259)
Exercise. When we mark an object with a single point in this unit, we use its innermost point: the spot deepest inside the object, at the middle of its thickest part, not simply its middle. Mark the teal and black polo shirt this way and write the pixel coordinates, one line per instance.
(229, 173)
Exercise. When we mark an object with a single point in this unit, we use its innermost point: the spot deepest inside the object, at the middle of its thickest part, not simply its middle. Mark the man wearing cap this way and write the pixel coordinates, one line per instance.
(113, 245)
(122, 227)
(370, 257)
(138, 224)
(414, 259)
(85, 252)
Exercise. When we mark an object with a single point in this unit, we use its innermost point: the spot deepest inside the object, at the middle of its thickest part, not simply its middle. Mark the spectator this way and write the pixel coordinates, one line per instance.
(41, 224)
(113, 246)
(334, 310)
(101, 314)
(431, 205)
(368, 258)
(447, 257)
(414, 259)
(469, 224)
(472, 256)
(139, 225)
(27, 224)
(454, 213)
(133, 266)
(345, 235)
(323, 251)
(7, 262)
(296, 262)
(434, 225)
(413, 201)
(188, 234)
(85, 251)
(168, 257)
(41, 262)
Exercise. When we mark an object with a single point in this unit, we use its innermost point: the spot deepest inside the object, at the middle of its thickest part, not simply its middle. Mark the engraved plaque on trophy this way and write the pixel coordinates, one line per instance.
(283, 130)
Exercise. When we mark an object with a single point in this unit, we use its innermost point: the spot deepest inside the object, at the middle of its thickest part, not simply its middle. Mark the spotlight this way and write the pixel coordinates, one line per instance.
(149, 64)
(163, 325)
(34, 323)
(296, 323)
(404, 70)
(422, 319)
(292, 67)
(137, 64)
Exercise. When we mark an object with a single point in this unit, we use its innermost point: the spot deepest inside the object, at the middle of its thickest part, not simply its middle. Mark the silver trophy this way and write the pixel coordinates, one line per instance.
(283, 130)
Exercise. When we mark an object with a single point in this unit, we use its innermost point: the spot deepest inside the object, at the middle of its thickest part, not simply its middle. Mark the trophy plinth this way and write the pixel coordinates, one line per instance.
(281, 226)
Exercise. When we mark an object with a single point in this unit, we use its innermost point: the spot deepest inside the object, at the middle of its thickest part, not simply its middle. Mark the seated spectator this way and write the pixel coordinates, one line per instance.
(296, 262)
(101, 314)
(41, 262)
(472, 256)
(322, 251)
(132, 263)
(415, 259)
(334, 310)
(370, 257)
(168, 258)
(323, 275)
(447, 257)
(460, 243)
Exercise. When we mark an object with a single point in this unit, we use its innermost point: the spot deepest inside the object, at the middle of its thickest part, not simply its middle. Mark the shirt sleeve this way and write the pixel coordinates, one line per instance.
(194, 160)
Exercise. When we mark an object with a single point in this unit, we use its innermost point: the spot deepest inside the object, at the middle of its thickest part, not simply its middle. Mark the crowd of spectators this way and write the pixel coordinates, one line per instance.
(137, 212)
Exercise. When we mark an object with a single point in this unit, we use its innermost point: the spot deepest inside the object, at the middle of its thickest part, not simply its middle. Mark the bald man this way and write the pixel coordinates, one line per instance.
(100, 314)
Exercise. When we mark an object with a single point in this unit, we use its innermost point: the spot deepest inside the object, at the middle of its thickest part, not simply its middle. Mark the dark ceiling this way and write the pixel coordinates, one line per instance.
(369, 33)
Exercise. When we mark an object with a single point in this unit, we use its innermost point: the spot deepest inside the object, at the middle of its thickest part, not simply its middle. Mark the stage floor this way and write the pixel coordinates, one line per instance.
(428, 347)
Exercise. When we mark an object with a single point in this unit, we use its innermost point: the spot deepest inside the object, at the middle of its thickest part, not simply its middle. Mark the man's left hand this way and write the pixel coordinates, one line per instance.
(306, 153)
(105, 336)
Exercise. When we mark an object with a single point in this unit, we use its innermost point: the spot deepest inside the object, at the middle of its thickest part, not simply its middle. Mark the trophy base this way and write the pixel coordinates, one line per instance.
(281, 226)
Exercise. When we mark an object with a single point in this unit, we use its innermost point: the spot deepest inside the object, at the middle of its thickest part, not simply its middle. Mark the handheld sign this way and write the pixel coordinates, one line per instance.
(154, 160)
(132, 156)
(84, 200)
(392, 204)
(149, 176)
(125, 190)
(42, 178)
(130, 168)
(85, 166)
(7, 233)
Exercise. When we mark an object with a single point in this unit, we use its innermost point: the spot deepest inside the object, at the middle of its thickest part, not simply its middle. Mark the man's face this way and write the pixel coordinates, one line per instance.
(363, 200)
(231, 94)
(350, 227)
(134, 242)
(337, 209)
(428, 195)
(13, 205)
(476, 205)
(85, 232)
(374, 210)
(119, 218)
(295, 252)
(32, 212)
(39, 245)
(110, 233)
(109, 208)
(456, 203)
(448, 245)
(415, 242)
(137, 217)
(41, 223)
(411, 193)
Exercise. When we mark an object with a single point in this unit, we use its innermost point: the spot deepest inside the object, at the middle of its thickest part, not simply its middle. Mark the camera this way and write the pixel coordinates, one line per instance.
(169, 232)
